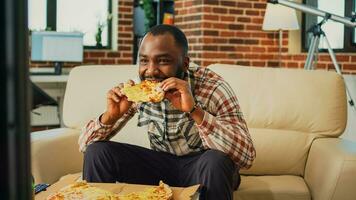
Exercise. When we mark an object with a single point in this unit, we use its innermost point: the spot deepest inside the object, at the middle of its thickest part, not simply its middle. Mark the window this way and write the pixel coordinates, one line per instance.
(73, 15)
(340, 37)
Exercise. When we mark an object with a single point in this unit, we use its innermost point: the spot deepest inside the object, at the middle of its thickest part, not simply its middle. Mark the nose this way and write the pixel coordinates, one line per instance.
(152, 68)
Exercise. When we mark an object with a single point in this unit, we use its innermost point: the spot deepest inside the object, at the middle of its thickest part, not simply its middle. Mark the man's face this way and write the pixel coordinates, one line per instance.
(161, 58)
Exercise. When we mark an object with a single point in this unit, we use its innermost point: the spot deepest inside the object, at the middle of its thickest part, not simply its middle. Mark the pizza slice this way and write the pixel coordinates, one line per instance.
(160, 192)
(146, 91)
(81, 190)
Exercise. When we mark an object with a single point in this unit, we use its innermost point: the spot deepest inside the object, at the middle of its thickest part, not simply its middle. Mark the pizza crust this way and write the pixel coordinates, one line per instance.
(146, 91)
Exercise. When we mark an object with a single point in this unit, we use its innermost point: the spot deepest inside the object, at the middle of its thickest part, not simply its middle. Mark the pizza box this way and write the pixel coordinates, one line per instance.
(179, 193)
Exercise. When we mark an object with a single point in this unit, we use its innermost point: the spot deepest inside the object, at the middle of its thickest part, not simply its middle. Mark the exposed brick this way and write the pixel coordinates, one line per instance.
(252, 56)
(253, 28)
(227, 34)
(220, 10)
(259, 5)
(113, 54)
(236, 11)
(227, 48)
(220, 26)
(252, 12)
(107, 61)
(227, 18)
(292, 64)
(236, 26)
(251, 41)
(349, 67)
(228, 3)
(259, 63)
(243, 34)
(211, 17)
(236, 41)
(272, 64)
(244, 19)
(244, 5)
(299, 57)
(210, 2)
(96, 54)
(341, 58)
(210, 33)
(259, 49)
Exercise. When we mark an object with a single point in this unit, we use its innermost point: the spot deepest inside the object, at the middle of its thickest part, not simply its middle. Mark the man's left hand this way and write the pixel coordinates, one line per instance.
(177, 91)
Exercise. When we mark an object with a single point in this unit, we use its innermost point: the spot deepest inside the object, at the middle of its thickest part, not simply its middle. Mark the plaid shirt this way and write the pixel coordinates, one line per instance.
(170, 130)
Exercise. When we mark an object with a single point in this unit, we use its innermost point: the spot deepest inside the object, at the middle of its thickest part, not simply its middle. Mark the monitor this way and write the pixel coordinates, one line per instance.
(57, 47)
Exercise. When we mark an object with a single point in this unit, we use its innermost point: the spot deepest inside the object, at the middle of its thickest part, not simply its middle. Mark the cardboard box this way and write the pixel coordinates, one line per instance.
(188, 193)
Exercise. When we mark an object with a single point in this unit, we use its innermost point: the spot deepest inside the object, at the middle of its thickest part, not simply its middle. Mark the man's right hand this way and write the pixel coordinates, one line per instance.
(117, 104)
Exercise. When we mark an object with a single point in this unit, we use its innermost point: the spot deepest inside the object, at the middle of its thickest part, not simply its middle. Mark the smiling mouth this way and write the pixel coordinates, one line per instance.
(153, 79)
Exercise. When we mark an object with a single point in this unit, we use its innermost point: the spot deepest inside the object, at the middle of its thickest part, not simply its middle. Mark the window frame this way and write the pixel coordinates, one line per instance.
(349, 44)
(51, 23)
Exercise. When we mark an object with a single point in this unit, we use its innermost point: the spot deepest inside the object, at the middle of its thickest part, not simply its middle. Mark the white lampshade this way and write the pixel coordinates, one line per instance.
(278, 17)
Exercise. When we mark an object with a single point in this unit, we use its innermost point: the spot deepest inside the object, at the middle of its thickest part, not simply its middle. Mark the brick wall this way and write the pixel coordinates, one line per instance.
(219, 31)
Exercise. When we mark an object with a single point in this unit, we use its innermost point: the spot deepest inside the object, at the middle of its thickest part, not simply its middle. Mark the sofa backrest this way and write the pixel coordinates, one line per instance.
(285, 110)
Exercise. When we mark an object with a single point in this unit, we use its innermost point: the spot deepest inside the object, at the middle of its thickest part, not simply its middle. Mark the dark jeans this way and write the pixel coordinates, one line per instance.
(111, 161)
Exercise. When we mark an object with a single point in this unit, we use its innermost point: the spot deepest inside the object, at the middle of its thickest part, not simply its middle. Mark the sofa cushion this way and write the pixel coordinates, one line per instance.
(272, 188)
(280, 152)
(289, 99)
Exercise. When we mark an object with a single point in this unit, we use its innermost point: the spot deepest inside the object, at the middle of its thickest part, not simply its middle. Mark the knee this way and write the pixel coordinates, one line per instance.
(214, 161)
(96, 149)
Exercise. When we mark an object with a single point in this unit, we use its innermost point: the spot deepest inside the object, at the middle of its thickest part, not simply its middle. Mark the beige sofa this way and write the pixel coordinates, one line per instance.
(295, 118)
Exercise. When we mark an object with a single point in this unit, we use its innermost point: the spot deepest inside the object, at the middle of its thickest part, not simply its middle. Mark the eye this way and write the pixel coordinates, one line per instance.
(164, 61)
(143, 61)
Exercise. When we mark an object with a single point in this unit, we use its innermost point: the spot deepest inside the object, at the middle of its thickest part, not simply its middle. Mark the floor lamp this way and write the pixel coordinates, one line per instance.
(279, 18)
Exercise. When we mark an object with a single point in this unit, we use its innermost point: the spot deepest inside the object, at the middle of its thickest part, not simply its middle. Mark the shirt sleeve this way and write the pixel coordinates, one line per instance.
(96, 131)
(223, 127)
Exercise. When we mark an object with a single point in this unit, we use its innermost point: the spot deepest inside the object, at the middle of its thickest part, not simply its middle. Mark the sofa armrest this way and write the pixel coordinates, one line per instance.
(55, 153)
(330, 171)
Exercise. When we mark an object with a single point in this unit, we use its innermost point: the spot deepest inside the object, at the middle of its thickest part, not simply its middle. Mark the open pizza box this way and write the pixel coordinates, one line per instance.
(179, 193)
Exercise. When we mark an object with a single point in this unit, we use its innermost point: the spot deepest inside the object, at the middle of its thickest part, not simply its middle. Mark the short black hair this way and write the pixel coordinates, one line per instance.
(178, 35)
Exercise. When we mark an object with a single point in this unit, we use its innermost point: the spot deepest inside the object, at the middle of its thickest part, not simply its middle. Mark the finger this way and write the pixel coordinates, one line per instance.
(118, 91)
(168, 80)
(121, 85)
(170, 86)
(131, 82)
(112, 95)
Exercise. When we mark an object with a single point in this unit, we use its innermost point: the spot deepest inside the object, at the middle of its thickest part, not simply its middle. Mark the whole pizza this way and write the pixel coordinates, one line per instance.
(81, 190)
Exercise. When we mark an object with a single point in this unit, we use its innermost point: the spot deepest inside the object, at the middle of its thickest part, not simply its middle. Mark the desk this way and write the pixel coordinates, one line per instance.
(54, 86)
(49, 78)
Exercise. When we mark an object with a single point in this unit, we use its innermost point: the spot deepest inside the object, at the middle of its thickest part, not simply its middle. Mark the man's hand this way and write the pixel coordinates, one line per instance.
(117, 104)
(177, 91)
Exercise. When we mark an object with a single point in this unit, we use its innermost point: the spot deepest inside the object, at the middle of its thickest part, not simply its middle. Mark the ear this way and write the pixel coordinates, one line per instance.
(186, 61)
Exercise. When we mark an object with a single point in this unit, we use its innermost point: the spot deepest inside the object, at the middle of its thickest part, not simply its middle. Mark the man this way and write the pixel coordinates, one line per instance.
(197, 133)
